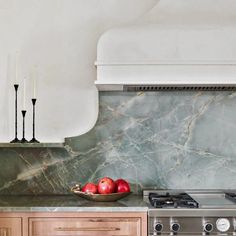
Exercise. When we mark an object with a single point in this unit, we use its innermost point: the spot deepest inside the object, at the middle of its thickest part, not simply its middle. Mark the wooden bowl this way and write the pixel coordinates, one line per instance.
(100, 197)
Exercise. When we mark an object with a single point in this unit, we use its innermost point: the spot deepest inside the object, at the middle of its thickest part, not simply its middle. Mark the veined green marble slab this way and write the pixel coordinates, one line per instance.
(68, 203)
(167, 140)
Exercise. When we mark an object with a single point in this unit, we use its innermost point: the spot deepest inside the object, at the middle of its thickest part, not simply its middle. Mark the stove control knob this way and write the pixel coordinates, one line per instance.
(208, 227)
(175, 227)
(158, 227)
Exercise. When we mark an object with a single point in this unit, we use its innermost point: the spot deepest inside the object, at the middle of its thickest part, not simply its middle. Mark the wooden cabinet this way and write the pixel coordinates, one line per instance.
(10, 226)
(85, 226)
(74, 224)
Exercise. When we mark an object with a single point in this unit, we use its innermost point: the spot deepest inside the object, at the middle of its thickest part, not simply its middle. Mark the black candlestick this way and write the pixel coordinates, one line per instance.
(23, 140)
(16, 140)
(34, 140)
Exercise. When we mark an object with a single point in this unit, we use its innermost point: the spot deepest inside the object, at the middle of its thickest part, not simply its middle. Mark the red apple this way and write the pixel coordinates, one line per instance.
(122, 186)
(90, 188)
(106, 185)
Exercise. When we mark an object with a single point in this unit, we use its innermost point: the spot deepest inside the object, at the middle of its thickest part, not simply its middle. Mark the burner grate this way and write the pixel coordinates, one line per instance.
(231, 196)
(182, 200)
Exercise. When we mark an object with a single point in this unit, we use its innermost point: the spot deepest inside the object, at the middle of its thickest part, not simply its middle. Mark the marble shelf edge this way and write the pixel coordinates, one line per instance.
(32, 145)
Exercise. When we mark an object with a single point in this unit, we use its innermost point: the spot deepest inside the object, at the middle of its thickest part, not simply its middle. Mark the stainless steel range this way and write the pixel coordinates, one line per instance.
(175, 212)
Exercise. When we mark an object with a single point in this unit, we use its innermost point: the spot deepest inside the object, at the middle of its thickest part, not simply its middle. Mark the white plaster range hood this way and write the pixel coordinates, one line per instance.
(179, 44)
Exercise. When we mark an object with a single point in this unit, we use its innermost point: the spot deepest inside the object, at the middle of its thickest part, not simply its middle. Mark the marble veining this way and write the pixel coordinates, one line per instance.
(69, 203)
(162, 139)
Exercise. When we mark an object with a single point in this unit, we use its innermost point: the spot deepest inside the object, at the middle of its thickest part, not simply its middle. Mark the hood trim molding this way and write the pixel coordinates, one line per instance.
(116, 77)
(170, 62)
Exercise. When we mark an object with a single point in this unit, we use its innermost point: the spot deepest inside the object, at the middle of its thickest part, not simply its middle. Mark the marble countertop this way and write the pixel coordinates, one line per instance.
(69, 203)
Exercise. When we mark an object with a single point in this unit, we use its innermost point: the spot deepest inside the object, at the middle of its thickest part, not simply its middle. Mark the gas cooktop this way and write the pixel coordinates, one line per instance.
(214, 199)
(191, 212)
(169, 200)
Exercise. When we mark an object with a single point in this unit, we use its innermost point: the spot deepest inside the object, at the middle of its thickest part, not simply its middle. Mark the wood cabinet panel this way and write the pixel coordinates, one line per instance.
(85, 226)
(10, 227)
(73, 224)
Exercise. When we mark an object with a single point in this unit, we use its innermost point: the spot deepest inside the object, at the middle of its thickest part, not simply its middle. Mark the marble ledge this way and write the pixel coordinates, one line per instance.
(32, 145)
(69, 203)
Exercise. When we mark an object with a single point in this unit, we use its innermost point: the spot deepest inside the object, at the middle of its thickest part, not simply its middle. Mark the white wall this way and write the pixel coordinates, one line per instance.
(60, 37)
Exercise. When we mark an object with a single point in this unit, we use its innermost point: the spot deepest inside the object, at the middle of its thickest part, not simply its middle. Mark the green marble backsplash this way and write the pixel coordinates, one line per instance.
(162, 139)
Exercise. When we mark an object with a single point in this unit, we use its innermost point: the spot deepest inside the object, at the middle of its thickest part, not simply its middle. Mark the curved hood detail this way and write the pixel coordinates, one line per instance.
(181, 43)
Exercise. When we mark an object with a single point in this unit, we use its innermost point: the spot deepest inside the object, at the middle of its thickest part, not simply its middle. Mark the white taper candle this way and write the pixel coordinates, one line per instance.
(34, 81)
(24, 93)
(16, 67)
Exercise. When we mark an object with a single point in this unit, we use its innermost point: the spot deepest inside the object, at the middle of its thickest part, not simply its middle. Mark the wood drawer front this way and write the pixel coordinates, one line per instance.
(10, 227)
(85, 226)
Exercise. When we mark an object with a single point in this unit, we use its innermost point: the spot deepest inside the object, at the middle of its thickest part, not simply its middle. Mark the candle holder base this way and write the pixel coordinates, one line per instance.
(34, 140)
(24, 140)
(16, 140)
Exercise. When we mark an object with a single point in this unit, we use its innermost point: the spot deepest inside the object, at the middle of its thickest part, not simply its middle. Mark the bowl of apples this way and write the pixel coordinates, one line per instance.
(106, 190)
